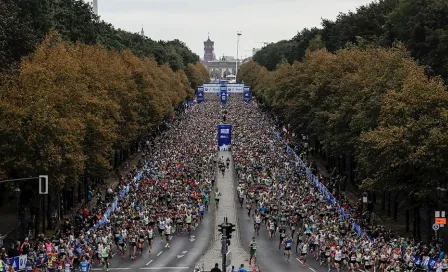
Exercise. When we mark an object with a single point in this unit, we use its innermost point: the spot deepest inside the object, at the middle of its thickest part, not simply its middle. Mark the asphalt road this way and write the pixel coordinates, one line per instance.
(269, 257)
(182, 255)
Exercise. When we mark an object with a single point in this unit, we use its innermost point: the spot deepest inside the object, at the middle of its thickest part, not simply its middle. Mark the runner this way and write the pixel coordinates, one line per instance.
(253, 251)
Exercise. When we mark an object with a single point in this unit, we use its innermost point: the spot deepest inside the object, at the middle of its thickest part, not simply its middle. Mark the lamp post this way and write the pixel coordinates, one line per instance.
(19, 225)
(238, 34)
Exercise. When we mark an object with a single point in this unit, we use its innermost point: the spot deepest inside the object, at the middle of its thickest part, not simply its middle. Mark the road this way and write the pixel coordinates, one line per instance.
(269, 257)
(182, 255)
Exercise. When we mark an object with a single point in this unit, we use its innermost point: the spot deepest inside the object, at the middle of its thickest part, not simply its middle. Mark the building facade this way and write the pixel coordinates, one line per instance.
(209, 50)
(218, 68)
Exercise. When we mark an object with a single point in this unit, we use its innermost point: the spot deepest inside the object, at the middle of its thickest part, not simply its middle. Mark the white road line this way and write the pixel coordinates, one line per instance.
(114, 254)
(165, 268)
(159, 253)
(149, 262)
(99, 269)
(312, 269)
(299, 260)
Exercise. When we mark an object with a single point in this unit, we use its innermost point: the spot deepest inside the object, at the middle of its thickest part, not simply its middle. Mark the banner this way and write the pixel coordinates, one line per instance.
(235, 89)
(200, 95)
(246, 94)
(230, 87)
(223, 95)
(224, 137)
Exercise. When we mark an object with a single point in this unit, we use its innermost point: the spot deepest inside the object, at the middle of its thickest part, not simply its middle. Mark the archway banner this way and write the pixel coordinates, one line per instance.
(200, 95)
(230, 87)
(246, 94)
(223, 95)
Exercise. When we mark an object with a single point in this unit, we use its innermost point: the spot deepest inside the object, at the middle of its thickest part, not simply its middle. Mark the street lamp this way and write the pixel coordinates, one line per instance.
(238, 34)
(19, 225)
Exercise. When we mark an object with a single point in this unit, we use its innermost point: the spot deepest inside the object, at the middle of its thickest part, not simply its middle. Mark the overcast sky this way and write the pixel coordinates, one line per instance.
(191, 20)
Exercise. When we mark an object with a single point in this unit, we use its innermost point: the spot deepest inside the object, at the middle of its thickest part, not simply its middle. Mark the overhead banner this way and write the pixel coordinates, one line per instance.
(200, 95)
(223, 95)
(236, 89)
(216, 88)
(224, 137)
(246, 94)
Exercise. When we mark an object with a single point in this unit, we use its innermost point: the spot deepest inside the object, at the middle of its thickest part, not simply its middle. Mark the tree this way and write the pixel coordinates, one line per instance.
(197, 74)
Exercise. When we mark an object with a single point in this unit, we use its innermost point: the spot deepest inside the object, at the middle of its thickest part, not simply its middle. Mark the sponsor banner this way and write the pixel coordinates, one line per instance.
(224, 136)
(216, 88)
(246, 94)
(223, 95)
(200, 95)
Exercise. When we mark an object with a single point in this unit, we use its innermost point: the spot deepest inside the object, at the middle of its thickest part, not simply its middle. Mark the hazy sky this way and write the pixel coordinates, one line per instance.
(191, 20)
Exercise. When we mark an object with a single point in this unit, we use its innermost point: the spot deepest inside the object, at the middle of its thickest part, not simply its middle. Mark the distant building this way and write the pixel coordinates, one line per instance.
(209, 50)
(221, 68)
(229, 58)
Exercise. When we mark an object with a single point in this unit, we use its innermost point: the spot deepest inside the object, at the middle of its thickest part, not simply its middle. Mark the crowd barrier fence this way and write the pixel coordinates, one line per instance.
(424, 262)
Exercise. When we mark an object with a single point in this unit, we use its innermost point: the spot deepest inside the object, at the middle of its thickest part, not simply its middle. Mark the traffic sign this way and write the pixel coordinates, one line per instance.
(440, 221)
(435, 226)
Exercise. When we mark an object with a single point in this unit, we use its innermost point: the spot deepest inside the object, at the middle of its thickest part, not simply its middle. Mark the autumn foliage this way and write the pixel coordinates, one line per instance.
(376, 105)
(71, 105)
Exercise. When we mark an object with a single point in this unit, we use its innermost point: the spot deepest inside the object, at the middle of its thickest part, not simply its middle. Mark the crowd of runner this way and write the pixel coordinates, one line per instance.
(278, 196)
(173, 195)
(171, 198)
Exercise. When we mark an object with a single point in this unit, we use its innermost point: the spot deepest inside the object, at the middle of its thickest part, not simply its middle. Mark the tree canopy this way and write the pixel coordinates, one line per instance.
(421, 25)
(373, 103)
(25, 24)
(70, 106)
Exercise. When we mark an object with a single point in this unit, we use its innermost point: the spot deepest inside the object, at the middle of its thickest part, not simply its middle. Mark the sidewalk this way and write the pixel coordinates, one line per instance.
(227, 208)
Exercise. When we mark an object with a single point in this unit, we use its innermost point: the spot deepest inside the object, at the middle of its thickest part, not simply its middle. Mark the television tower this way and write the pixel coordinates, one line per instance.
(95, 7)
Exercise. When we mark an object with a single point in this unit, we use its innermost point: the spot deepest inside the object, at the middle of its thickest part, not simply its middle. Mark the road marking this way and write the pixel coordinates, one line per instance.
(114, 254)
(149, 262)
(299, 260)
(180, 256)
(165, 268)
(158, 254)
(312, 269)
(99, 269)
(183, 252)
(192, 238)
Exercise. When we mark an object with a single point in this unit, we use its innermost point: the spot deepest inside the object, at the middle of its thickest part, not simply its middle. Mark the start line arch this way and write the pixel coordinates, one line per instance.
(223, 90)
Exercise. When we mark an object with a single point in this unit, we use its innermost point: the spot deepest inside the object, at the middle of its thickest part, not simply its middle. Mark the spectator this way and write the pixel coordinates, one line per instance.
(216, 268)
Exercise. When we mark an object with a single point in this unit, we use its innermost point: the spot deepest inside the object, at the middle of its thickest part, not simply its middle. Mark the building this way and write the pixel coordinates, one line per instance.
(209, 50)
(220, 68)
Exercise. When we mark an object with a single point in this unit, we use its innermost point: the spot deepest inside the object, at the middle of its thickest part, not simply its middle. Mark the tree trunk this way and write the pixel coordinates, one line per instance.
(383, 201)
(395, 217)
(429, 221)
(388, 203)
(407, 220)
(49, 212)
(414, 223)
(419, 229)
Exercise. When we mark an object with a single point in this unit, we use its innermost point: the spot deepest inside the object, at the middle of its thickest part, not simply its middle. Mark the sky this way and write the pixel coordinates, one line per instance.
(191, 20)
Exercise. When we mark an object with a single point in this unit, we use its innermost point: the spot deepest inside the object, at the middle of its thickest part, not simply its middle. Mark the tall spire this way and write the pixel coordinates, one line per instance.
(208, 33)
(95, 7)
(143, 32)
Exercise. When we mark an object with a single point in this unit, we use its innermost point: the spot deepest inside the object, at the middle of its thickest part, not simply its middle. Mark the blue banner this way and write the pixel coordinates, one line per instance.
(223, 95)
(200, 95)
(246, 94)
(224, 137)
